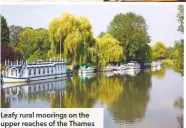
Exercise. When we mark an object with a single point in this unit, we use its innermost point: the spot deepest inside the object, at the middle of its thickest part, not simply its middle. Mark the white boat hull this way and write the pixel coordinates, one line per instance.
(14, 80)
(120, 72)
(120, 68)
(28, 79)
(133, 72)
(85, 71)
(6, 85)
(156, 68)
(133, 68)
(108, 69)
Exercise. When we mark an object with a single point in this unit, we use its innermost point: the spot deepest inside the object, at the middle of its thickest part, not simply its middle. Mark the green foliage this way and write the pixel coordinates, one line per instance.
(169, 53)
(180, 17)
(131, 30)
(158, 51)
(14, 33)
(179, 56)
(34, 44)
(108, 50)
(4, 31)
(179, 45)
(168, 62)
(75, 35)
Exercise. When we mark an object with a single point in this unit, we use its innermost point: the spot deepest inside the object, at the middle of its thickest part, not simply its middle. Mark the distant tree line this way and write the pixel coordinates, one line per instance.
(126, 39)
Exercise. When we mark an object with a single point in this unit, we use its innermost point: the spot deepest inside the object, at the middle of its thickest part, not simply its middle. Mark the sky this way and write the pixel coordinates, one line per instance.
(160, 18)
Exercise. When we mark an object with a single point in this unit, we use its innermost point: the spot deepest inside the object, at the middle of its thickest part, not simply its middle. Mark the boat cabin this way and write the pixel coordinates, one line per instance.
(24, 69)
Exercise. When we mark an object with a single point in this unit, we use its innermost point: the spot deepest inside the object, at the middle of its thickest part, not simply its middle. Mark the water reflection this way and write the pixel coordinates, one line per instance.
(179, 104)
(123, 72)
(4, 103)
(132, 103)
(124, 95)
(158, 72)
(79, 94)
(30, 93)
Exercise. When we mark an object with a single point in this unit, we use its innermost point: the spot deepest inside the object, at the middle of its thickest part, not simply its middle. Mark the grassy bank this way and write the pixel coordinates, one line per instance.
(168, 62)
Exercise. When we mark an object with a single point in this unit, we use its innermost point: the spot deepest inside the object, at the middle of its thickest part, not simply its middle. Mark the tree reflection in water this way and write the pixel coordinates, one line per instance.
(85, 94)
(126, 96)
(133, 101)
(4, 102)
(179, 103)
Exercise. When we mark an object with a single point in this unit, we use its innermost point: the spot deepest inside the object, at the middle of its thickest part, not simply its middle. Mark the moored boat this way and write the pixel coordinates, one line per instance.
(121, 67)
(133, 65)
(85, 69)
(133, 72)
(22, 71)
(108, 68)
(156, 65)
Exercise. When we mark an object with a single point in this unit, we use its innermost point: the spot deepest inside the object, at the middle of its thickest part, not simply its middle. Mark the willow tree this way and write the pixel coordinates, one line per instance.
(75, 35)
(108, 50)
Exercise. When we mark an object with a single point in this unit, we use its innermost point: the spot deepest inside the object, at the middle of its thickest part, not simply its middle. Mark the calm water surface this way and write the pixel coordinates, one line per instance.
(145, 100)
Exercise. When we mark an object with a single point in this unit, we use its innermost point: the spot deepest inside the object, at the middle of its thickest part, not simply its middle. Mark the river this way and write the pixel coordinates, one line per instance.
(144, 100)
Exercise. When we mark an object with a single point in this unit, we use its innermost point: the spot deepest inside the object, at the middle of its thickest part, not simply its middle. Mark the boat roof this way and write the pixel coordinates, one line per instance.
(37, 64)
(132, 61)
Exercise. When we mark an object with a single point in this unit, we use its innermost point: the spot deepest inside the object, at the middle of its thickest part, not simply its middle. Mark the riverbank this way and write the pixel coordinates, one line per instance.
(168, 62)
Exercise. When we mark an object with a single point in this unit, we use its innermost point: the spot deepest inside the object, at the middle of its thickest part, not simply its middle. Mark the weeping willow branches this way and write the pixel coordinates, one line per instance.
(108, 50)
(75, 35)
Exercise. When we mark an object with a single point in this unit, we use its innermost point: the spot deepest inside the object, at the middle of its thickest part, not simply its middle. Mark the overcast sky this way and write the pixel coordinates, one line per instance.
(161, 17)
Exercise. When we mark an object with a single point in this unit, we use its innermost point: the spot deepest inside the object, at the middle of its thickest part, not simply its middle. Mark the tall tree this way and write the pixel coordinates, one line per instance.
(179, 45)
(131, 30)
(75, 35)
(34, 44)
(169, 52)
(179, 56)
(4, 31)
(108, 50)
(180, 17)
(8, 53)
(14, 33)
(158, 51)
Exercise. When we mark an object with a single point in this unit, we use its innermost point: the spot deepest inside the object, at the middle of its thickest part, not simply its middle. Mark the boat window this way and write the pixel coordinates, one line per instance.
(47, 70)
(52, 69)
(29, 71)
(43, 70)
(39, 70)
(34, 71)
